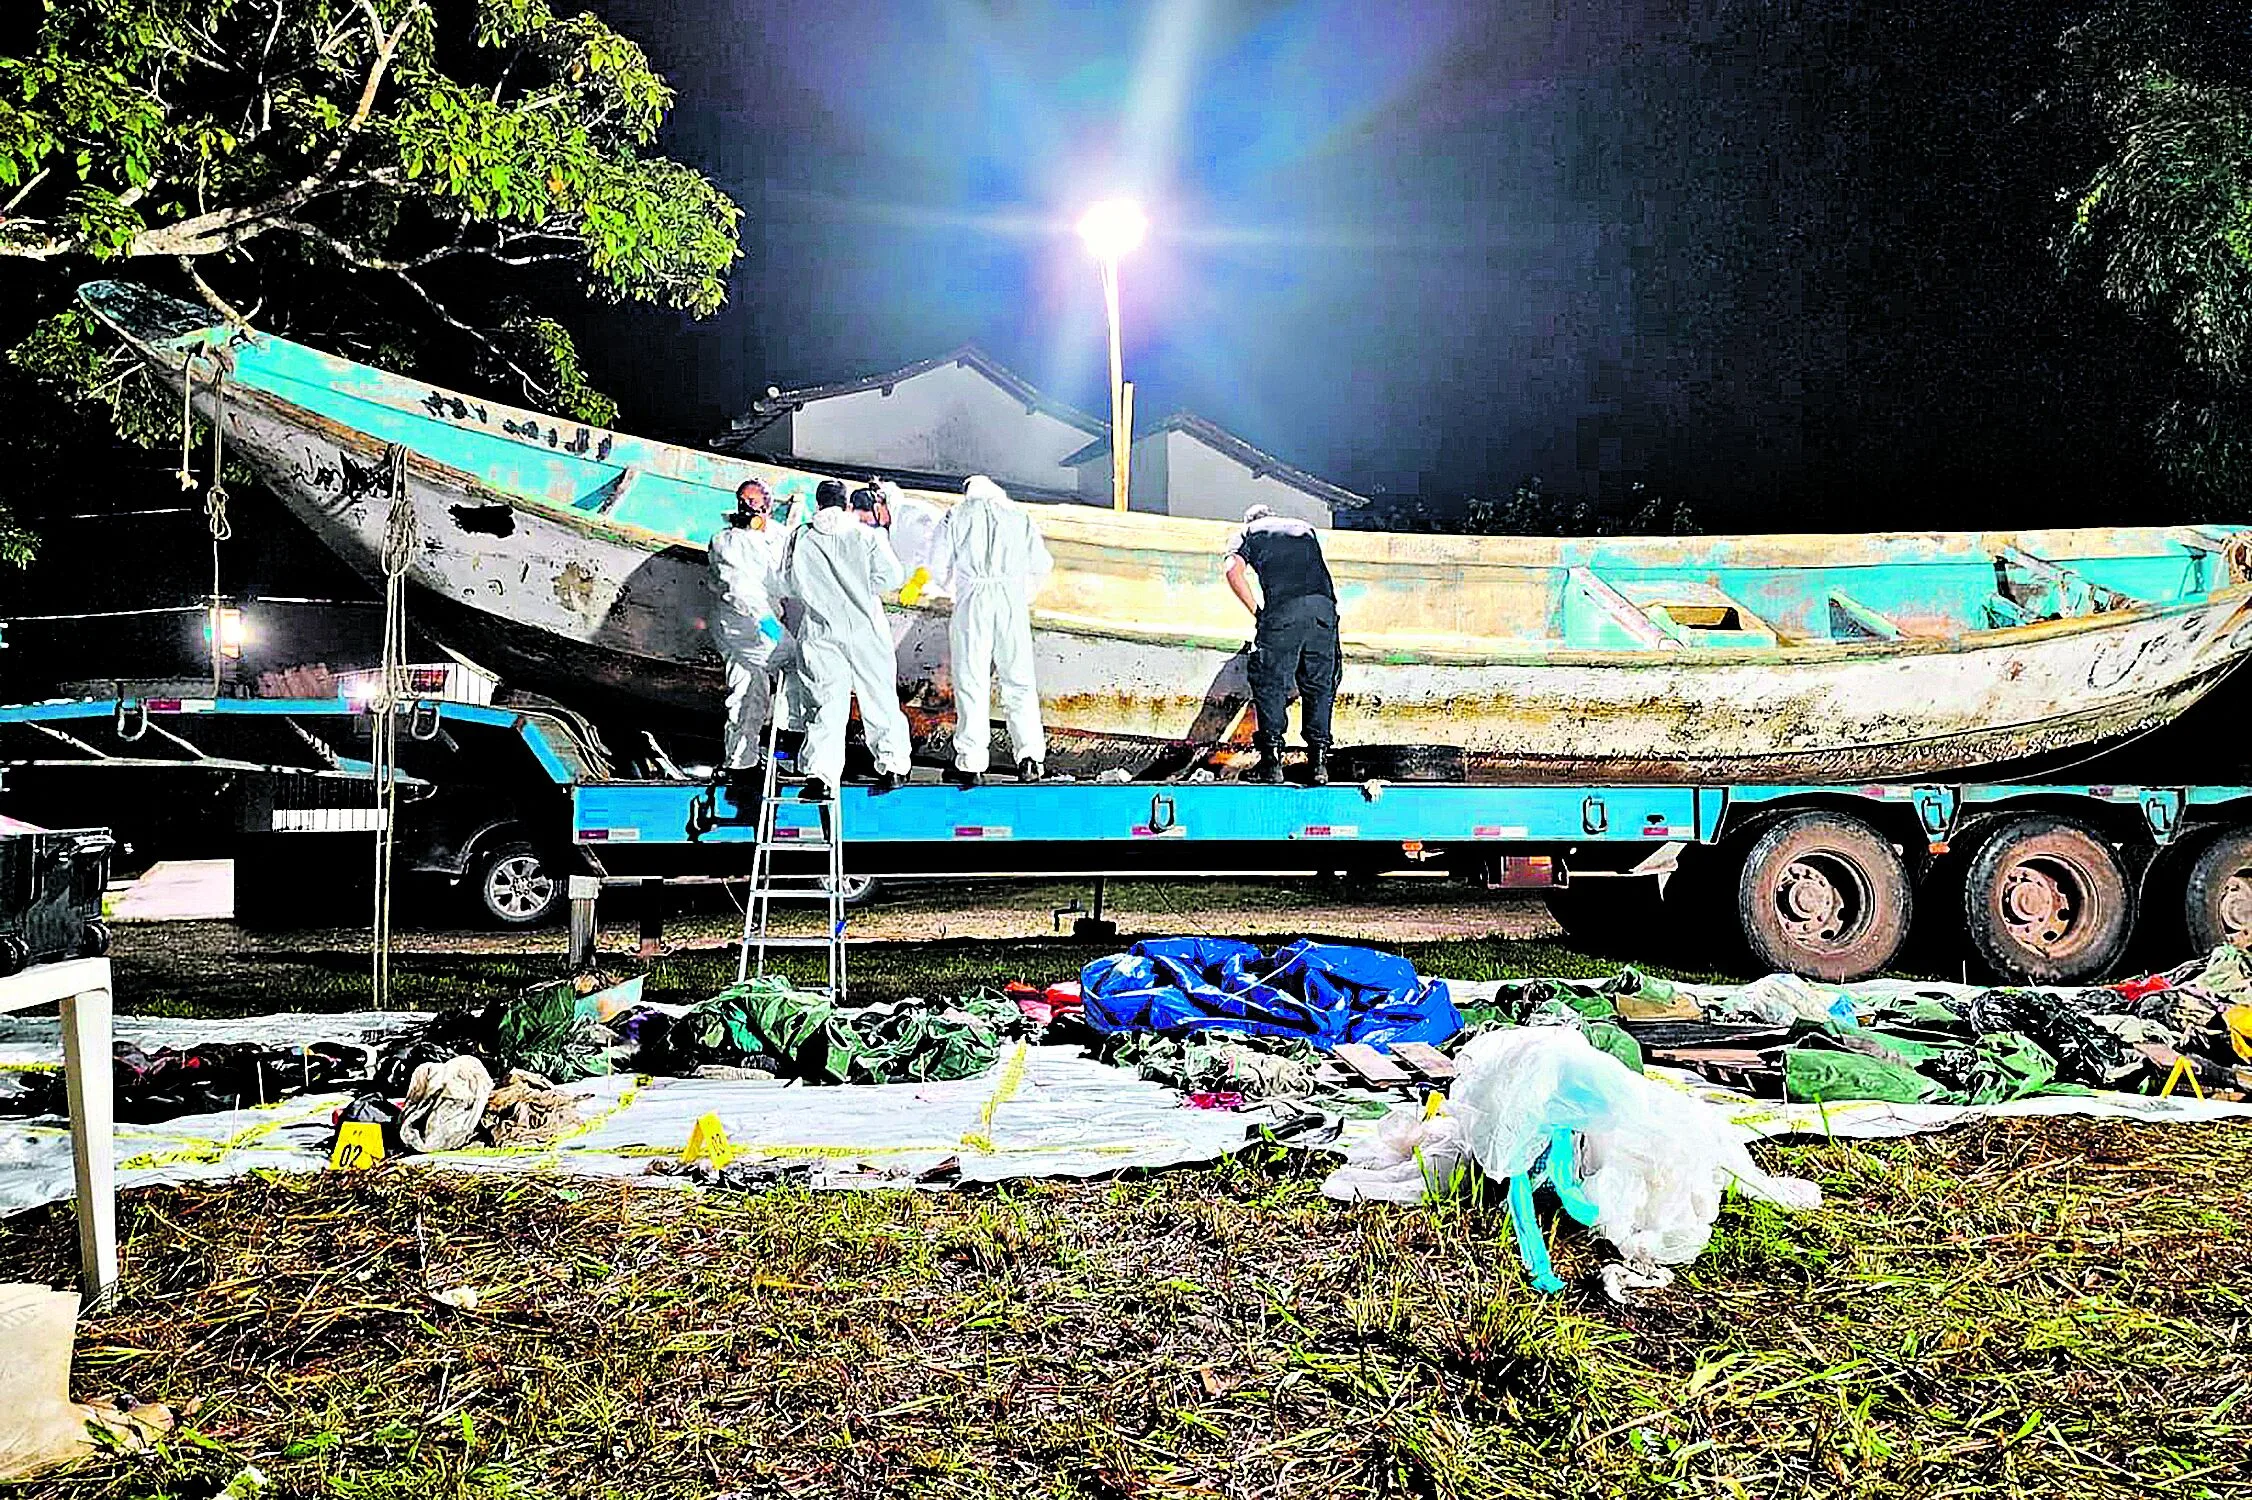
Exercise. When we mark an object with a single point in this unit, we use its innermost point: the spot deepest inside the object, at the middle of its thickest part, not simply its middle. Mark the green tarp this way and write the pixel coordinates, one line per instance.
(807, 1035)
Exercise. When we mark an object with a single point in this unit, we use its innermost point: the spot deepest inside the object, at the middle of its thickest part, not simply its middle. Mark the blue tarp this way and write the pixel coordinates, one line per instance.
(1325, 993)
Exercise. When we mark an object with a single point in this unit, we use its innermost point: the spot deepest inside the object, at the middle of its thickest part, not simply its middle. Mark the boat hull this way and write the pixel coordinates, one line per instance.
(562, 599)
(549, 605)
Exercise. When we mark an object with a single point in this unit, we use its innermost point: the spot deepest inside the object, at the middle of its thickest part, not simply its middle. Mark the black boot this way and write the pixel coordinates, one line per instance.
(888, 781)
(1029, 769)
(956, 776)
(1317, 765)
(1269, 770)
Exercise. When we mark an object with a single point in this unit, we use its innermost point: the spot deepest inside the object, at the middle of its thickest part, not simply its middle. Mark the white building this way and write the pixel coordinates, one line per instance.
(1186, 466)
(958, 414)
(938, 421)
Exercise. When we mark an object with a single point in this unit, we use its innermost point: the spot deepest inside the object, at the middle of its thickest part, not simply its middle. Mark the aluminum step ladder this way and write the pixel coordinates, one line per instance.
(795, 826)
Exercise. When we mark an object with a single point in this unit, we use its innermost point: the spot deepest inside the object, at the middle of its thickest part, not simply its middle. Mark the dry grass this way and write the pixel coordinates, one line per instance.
(2051, 1308)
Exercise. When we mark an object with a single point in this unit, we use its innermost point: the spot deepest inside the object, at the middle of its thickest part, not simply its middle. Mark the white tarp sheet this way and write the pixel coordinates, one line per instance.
(37, 1041)
(1042, 1112)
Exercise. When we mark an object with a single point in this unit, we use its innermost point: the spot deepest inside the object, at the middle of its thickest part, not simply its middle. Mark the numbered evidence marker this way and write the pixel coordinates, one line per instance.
(359, 1144)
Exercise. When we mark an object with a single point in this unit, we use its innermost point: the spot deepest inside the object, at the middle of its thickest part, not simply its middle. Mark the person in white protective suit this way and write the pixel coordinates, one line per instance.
(994, 561)
(746, 623)
(838, 571)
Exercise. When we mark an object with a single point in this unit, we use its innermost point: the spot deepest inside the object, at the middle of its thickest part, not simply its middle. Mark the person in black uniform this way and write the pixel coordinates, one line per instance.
(1295, 639)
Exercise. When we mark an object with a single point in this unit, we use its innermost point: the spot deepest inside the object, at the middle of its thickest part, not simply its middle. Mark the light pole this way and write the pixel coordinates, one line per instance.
(1111, 229)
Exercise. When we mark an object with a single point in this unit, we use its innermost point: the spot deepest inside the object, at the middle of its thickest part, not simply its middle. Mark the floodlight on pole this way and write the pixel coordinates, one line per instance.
(1112, 229)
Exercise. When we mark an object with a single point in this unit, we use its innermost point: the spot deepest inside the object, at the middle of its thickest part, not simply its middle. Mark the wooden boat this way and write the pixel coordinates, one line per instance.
(570, 560)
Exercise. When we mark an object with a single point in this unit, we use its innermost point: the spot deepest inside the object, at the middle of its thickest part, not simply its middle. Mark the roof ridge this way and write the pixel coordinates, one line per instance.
(1258, 460)
(971, 355)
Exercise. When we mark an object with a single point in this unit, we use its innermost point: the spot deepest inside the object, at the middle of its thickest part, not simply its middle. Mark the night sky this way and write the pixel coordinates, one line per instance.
(1788, 261)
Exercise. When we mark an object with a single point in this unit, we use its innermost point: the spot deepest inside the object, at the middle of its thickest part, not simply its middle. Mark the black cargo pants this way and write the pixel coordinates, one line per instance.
(1296, 644)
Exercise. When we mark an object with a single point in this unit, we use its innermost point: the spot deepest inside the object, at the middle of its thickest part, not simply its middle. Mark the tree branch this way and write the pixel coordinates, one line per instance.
(24, 192)
(534, 386)
(400, 269)
(225, 308)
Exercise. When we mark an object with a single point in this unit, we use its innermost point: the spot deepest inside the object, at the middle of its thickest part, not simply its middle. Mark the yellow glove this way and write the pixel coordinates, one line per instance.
(912, 590)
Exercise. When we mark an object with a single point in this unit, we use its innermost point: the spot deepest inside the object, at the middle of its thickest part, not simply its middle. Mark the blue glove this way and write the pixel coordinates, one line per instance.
(771, 628)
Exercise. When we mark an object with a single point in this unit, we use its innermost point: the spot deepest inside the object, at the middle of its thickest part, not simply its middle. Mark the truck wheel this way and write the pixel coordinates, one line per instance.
(15, 955)
(2217, 900)
(93, 939)
(2046, 900)
(514, 885)
(1823, 895)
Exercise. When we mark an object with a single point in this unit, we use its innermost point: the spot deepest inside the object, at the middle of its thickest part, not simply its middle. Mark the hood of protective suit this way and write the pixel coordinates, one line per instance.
(978, 487)
(991, 540)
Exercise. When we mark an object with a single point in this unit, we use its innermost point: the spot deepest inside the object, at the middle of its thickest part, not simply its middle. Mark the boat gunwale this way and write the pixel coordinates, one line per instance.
(173, 354)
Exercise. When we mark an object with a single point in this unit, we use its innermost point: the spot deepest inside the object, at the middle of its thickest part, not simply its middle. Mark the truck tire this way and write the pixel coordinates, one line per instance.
(515, 885)
(15, 955)
(2217, 897)
(2046, 900)
(1823, 895)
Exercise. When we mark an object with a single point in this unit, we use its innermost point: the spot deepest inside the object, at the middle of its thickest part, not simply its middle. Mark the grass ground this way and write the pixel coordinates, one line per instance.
(2012, 1309)
(2016, 1308)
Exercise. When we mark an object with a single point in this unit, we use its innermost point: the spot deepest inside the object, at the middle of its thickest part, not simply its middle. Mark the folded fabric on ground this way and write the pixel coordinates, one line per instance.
(554, 1030)
(165, 1066)
(1326, 993)
(1206, 1062)
(159, 1084)
(806, 1035)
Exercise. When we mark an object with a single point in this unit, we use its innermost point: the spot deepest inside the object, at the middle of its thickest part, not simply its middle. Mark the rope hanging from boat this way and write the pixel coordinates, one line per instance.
(215, 495)
(215, 498)
(186, 472)
(400, 538)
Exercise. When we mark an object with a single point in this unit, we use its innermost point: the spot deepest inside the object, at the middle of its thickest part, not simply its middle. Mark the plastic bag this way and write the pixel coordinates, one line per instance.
(1415, 1154)
(1780, 999)
(445, 1104)
(1652, 1161)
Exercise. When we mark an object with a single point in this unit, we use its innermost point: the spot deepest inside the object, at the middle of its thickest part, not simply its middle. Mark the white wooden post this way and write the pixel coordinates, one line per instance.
(83, 987)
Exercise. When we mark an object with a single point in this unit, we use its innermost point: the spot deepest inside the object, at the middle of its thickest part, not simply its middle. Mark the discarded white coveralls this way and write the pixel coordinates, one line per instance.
(838, 570)
(995, 561)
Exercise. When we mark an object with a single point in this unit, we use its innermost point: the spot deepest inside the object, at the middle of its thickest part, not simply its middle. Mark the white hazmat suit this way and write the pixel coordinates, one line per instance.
(994, 562)
(746, 627)
(838, 570)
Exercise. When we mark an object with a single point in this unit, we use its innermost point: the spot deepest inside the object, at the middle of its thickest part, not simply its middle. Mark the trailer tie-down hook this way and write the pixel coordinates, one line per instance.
(132, 719)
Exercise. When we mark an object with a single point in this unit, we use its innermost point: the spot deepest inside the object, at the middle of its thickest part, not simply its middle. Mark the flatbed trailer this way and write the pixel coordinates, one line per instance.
(2048, 880)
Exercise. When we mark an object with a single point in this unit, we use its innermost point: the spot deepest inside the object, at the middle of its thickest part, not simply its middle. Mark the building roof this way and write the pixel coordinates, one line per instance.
(777, 403)
(1261, 463)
